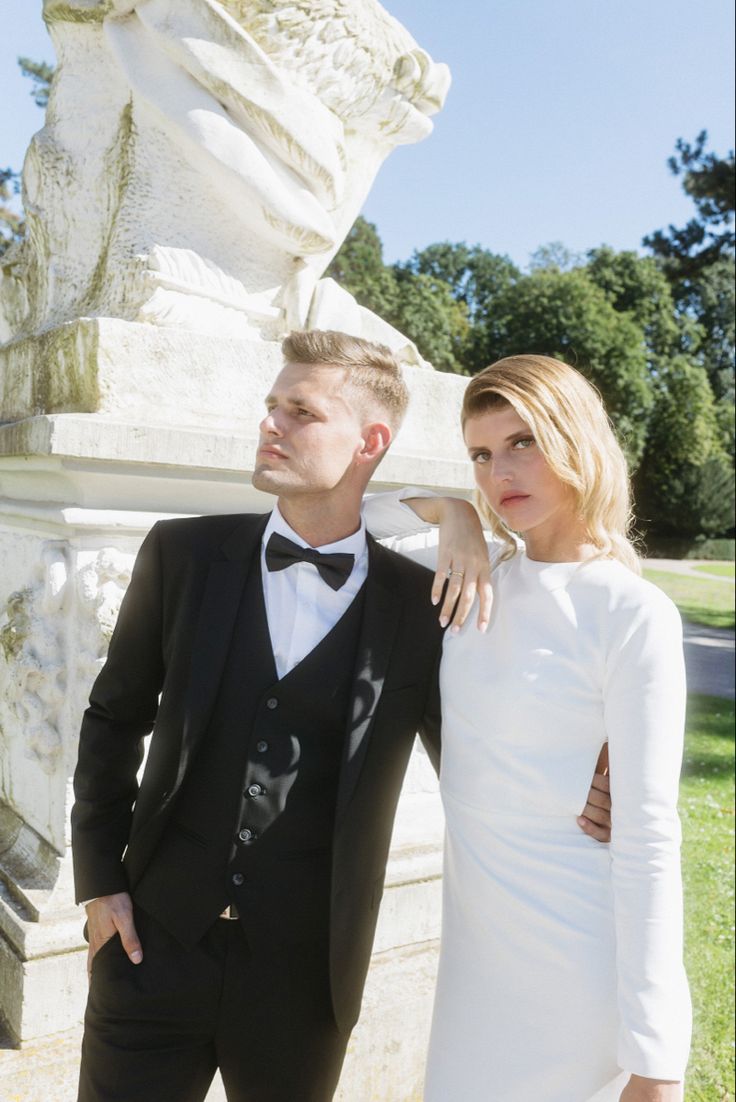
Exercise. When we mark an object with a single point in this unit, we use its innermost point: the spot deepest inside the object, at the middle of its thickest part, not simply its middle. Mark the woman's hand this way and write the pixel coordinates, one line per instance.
(463, 570)
(639, 1089)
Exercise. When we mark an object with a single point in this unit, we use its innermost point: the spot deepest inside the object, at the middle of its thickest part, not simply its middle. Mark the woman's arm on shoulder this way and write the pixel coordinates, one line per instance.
(445, 534)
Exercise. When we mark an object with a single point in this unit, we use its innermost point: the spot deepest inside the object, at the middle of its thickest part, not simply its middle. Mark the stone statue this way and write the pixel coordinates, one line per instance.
(202, 162)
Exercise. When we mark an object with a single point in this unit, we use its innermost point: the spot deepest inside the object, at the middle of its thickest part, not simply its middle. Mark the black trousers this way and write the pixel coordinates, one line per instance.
(157, 1031)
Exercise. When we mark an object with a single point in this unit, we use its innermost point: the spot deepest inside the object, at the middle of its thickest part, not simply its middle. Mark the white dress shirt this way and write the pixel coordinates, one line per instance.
(301, 608)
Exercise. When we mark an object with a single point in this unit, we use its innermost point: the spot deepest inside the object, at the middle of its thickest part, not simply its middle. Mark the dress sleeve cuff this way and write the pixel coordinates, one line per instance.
(387, 514)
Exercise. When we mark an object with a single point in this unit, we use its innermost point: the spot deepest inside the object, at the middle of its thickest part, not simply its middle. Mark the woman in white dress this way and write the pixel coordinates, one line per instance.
(561, 976)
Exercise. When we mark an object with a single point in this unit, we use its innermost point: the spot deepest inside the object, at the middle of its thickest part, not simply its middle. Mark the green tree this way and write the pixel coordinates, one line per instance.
(41, 73)
(359, 268)
(637, 286)
(475, 275)
(726, 416)
(684, 486)
(698, 259)
(565, 314)
(429, 315)
(476, 278)
(420, 305)
(11, 223)
(713, 302)
(555, 255)
(710, 181)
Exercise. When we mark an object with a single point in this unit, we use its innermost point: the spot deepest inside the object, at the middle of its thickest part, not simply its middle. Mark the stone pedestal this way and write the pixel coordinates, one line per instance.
(164, 424)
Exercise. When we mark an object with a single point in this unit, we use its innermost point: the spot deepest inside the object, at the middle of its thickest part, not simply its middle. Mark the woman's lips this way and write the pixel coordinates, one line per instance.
(514, 499)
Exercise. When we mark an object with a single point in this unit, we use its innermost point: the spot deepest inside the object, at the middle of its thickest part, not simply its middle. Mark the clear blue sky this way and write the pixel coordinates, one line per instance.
(557, 128)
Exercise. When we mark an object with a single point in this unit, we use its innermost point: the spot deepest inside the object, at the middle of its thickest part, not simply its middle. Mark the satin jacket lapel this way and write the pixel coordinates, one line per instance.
(217, 615)
(380, 619)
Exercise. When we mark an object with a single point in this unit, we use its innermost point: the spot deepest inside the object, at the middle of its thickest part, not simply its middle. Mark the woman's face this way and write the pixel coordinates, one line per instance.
(514, 478)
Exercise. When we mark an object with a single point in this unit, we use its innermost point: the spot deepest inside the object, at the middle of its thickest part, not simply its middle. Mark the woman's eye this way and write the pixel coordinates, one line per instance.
(481, 457)
(524, 442)
(303, 413)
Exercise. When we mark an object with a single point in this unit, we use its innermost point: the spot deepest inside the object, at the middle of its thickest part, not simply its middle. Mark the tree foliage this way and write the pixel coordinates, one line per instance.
(555, 255)
(567, 315)
(420, 304)
(654, 333)
(685, 482)
(11, 223)
(709, 180)
(41, 73)
(698, 259)
(476, 278)
(429, 315)
(637, 286)
(359, 268)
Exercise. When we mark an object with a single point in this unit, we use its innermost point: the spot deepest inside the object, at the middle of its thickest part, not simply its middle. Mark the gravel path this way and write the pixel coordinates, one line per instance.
(709, 660)
(709, 652)
(686, 566)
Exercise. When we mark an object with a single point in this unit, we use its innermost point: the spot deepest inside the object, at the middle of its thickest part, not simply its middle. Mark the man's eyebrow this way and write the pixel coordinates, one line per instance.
(291, 400)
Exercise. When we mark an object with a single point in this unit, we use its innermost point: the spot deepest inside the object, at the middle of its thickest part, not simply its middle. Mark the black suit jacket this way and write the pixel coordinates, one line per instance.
(162, 674)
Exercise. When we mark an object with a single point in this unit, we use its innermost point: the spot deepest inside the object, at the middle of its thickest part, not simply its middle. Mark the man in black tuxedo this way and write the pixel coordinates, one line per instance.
(233, 897)
(290, 693)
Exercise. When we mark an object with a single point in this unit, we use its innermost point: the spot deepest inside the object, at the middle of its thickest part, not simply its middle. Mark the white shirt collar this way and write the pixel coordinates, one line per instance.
(353, 545)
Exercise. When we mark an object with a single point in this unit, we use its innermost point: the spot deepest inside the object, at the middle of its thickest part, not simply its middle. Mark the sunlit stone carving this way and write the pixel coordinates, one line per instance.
(203, 161)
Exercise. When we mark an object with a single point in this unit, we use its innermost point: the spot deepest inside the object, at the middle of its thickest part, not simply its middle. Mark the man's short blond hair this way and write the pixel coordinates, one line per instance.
(372, 369)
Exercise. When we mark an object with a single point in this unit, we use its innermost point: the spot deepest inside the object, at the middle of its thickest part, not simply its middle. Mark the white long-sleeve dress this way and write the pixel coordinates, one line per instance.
(561, 959)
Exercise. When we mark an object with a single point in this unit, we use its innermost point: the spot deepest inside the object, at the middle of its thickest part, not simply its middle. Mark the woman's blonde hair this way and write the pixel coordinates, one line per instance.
(573, 431)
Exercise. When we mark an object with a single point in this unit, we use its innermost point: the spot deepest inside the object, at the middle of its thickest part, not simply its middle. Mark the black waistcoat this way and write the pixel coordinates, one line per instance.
(254, 818)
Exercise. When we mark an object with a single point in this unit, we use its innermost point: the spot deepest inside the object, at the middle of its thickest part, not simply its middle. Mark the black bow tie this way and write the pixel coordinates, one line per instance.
(334, 569)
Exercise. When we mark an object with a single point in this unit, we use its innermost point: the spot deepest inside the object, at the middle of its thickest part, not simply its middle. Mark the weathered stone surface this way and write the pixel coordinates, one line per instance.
(202, 161)
(136, 375)
(41, 996)
(59, 607)
(41, 1071)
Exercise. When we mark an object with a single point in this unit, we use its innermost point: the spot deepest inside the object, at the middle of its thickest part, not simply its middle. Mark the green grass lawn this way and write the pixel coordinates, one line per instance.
(705, 601)
(707, 811)
(722, 569)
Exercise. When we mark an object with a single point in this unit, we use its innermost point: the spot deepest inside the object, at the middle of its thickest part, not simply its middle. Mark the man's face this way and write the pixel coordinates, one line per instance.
(311, 434)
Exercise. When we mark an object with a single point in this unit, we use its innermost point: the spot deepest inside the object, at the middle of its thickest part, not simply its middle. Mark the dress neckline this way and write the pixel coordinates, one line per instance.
(550, 575)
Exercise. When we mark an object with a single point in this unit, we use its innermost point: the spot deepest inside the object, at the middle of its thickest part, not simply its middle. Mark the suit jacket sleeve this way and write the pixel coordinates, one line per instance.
(429, 730)
(122, 709)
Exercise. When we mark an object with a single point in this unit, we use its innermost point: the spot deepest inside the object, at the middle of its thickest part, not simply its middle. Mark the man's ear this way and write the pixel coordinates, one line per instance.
(376, 438)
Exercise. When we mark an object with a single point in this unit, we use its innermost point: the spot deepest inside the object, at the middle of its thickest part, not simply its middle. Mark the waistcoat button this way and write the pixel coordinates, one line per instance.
(272, 703)
(254, 790)
(238, 879)
(262, 747)
(246, 835)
